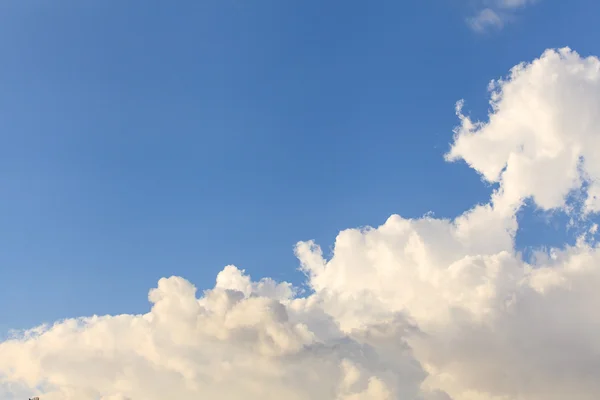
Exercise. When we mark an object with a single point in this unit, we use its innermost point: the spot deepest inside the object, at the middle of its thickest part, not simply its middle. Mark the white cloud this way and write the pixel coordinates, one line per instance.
(496, 15)
(416, 309)
(227, 344)
(486, 18)
(541, 140)
(513, 3)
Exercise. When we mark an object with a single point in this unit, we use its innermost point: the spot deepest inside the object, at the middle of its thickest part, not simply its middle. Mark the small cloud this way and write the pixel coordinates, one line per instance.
(513, 3)
(497, 14)
(487, 18)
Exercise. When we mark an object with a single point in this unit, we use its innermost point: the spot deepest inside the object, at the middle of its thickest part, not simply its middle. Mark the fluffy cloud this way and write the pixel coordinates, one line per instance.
(240, 340)
(416, 309)
(541, 140)
(489, 325)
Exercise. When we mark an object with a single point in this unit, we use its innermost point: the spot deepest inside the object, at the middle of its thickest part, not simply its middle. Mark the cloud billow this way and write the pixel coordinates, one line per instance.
(416, 309)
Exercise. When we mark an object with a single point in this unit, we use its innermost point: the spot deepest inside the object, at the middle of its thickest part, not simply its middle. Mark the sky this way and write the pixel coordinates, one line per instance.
(187, 192)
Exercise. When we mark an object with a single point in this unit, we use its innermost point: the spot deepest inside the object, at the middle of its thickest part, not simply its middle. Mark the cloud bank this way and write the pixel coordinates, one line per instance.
(415, 309)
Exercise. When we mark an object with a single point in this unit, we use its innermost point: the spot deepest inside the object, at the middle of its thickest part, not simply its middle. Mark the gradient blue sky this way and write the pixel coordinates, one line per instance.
(142, 139)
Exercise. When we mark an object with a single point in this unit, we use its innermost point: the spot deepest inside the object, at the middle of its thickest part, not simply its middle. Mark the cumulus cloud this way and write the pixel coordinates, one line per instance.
(416, 309)
(541, 139)
(235, 341)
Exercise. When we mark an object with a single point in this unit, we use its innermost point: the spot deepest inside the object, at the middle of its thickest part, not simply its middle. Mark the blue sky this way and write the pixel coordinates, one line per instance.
(142, 140)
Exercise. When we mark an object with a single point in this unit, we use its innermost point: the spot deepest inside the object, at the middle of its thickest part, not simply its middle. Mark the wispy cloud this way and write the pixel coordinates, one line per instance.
(513, 3)
(487, 18)
(496, 15)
